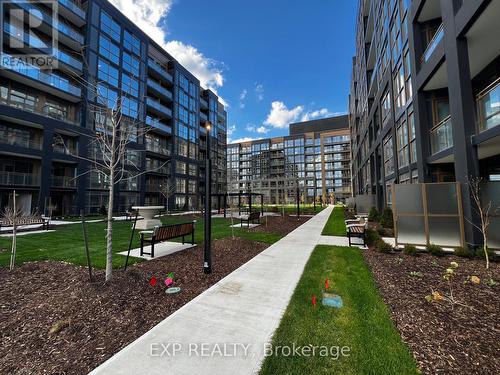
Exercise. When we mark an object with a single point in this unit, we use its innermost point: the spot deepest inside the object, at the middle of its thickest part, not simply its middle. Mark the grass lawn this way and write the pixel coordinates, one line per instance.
(66, 243)
(363, 324)
(335, 226)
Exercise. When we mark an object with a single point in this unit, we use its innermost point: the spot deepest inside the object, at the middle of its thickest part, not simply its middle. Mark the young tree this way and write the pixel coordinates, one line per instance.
(167, 190)
(109, 145)
(484, 210)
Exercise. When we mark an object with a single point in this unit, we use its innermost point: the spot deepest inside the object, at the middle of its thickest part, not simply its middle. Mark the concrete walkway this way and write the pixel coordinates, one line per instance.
(224, 330)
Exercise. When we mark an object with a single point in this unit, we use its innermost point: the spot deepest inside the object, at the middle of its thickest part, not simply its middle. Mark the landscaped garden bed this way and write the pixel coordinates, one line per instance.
(445, 338)
(52, 320)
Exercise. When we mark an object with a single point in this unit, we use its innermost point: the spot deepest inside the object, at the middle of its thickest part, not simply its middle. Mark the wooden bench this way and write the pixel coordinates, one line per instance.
(250, 218)
(165, 233)
(27, 221)
(357, 230)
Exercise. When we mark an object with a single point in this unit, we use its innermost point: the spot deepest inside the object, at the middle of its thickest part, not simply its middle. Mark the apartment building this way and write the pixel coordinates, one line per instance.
(46, 121)
(424, 98)
(314, 157)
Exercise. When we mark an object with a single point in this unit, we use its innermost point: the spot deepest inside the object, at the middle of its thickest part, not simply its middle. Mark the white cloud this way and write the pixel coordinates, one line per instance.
(243, 96)
(148, 15)
(259, 91)
(280, 116)
(231, 129)
(244, 139)
(257, 129)
(320, 113)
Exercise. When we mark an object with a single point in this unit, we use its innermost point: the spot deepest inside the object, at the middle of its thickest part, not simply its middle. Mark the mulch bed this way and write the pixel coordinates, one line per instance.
(93, 321)
(279, 225)
(444, 339)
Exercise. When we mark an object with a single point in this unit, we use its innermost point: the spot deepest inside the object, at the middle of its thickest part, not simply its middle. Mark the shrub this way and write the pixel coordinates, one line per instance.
(372, 237)
(386, 219)
(464, 252)
(384, 247)
(435, 250)
(373, 215)
(410, 250)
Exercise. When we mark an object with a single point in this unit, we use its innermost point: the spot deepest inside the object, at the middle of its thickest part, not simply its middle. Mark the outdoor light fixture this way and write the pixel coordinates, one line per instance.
(207, 253)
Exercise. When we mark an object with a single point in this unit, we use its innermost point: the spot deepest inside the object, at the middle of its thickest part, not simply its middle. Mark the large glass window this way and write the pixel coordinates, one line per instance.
(109, 50)
(109, 26)
(129, 107)
(386, 106)
(107, 73)
(130, 85)
(131, 64)
(131, 43)
(402, 142)
(413, 138)
(388, 156)
(107, 96)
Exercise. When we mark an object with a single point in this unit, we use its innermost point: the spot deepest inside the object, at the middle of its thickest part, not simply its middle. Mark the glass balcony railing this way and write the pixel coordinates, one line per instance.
(34, 42)
(159, 107)
(61, 26)
(160, 70)
(73, 7)
(488, 106)
(63, 181)
(35, 73)
(159, 149)
(433, 43)
(21, 179)
(442, 136)
(203, 103)
(34, 144)
(160, 89)
(155, 123)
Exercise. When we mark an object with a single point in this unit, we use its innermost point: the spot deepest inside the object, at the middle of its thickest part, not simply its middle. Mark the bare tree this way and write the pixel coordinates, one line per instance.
(15, 216)
(109, 145)
(167, 190)
(484, 210)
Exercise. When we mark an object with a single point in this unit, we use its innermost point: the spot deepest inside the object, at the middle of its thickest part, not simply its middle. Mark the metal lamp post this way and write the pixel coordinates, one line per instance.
(207, 253)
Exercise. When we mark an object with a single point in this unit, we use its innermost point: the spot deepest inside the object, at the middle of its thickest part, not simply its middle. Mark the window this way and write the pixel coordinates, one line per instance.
(193, 169)
(129, 107)
(183, 115)
(107, 73)
(402, 142)
(109, 50)
(182, 147)
(131, 43)
(388, 156)
(180, 185)
(192, 186)
(21, 100)
(133, 158)
(110, 27)
(183, 82)
(131, 64)
(413, 138)
(107, 96)
(180, 167)
(407, 68)
(399, 87)
(183, 99)
(130, 85)
(55, 110)
(386, 106)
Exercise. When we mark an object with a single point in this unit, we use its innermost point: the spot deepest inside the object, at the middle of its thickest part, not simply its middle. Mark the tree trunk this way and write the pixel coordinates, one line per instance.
(485, 249)
(109, 231)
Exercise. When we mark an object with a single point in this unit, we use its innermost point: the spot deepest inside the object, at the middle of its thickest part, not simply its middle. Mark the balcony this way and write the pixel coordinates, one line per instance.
(19, 179)
(159, 108)
(66, 32)
(63, 182)
(36, 43)
(156, 123)
(72, 11)
(203, 103)
(203, 118)
(442, 136)
(160, 72)
(488, 106)
(32, 72)
(158, 149)
(438, 36)
(33, 144)
(160, 90)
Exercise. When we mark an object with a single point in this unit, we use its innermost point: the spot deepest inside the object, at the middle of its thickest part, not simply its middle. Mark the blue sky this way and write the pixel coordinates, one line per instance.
(271, 61)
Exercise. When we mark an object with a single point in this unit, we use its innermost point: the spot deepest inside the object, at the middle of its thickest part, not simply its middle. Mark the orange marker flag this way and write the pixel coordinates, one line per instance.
(327, 285)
